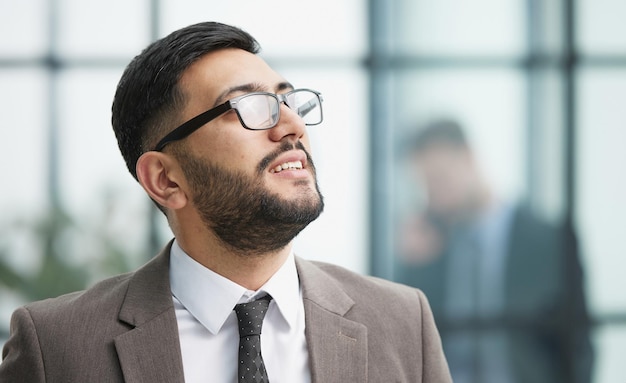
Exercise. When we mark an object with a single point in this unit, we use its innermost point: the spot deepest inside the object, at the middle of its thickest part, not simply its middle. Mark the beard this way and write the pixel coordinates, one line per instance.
(246, 216)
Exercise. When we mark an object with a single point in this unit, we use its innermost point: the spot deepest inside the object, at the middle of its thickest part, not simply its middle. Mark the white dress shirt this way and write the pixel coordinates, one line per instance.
(207, 324)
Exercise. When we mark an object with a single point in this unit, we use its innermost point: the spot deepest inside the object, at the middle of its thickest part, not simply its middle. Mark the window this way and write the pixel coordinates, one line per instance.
(535, 87)
(74, 211)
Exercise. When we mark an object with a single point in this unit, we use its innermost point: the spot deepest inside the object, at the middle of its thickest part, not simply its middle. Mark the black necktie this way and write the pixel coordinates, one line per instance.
(250, 316)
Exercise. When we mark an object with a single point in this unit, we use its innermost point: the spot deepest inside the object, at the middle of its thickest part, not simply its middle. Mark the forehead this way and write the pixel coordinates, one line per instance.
(215, 73)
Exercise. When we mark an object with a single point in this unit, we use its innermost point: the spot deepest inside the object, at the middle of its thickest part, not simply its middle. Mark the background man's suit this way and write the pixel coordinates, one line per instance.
(544, 314)
(358, 329)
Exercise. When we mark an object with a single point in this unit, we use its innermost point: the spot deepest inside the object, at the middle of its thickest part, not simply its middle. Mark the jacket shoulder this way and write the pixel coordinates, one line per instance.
(349, 278)
(402, 339)
(364, 290)
(49, 338)
(96, 300)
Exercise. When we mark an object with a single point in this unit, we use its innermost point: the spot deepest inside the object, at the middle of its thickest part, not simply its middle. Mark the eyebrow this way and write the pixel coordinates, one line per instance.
(249, 88)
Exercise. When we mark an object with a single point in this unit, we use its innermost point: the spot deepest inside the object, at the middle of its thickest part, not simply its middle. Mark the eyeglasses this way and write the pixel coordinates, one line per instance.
(256, 111)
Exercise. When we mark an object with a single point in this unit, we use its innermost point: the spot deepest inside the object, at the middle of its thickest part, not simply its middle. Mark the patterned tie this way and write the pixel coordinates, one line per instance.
(250, 315)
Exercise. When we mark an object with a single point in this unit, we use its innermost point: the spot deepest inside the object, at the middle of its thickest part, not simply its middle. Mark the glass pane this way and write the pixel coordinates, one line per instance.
(492, 268)
(610, 344)
(24, 154)
(600, 26)
(24, 27)
(312, 29)
(102, 29)
(458, 27)
(488, 107)
(489, 103)
(103, 201)
(601, 184)
(23, 165)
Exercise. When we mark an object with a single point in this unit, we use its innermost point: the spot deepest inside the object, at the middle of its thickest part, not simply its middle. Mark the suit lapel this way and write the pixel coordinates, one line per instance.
(150, 352)
(337, 345)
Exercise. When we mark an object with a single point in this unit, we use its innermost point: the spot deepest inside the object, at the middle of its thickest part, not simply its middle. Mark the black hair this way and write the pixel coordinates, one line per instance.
(148, 97)
(438, 132)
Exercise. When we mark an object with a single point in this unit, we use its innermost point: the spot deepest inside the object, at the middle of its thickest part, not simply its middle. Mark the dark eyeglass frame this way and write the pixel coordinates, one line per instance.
(200, 120)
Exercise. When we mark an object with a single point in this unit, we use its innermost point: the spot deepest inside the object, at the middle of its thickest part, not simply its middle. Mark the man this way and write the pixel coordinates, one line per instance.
(505, 286)
(218, 141)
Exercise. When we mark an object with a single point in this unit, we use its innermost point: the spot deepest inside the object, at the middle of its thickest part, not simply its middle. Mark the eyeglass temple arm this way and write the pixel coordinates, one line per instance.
(192, 125)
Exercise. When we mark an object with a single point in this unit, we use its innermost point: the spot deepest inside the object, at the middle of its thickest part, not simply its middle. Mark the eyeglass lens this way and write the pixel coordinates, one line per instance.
(307, 105)
(260, 111)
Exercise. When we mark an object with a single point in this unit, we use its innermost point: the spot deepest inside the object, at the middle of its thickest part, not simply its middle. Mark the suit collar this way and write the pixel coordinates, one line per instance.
(320, 289)
(151, 283)
(150, 352)
(337, 345)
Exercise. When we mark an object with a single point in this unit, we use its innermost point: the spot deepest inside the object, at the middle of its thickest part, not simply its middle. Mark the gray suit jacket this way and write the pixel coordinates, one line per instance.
(358, 329)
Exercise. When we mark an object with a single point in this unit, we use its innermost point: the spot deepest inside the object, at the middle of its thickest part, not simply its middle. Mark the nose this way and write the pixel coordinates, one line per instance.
(290, 124)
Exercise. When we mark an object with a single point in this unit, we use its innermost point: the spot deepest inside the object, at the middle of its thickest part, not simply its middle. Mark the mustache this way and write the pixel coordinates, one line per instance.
(284, 147)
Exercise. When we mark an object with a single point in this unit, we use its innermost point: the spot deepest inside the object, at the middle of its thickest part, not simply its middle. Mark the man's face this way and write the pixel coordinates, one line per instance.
(448, 175)
(236, 178)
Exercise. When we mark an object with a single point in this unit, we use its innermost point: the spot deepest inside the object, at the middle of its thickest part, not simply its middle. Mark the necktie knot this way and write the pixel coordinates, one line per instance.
(250, 316)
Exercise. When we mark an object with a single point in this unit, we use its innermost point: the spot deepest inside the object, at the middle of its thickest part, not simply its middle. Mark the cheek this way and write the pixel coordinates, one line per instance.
(237, 155)
(220, 144)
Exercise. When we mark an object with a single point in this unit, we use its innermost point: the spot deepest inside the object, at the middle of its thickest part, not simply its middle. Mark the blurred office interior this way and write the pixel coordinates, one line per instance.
(538, 85)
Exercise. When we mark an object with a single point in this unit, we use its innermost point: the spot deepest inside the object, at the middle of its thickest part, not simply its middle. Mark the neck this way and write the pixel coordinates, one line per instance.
(247, 270)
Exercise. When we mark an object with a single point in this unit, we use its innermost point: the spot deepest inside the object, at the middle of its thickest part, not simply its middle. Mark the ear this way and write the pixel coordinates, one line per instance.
(161, 177)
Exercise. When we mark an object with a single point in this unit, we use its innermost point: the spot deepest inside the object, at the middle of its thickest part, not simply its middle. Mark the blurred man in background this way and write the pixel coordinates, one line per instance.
(506, 287)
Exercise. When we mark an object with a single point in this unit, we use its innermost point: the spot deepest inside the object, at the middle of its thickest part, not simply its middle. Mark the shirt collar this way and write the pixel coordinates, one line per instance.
(210, 297)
